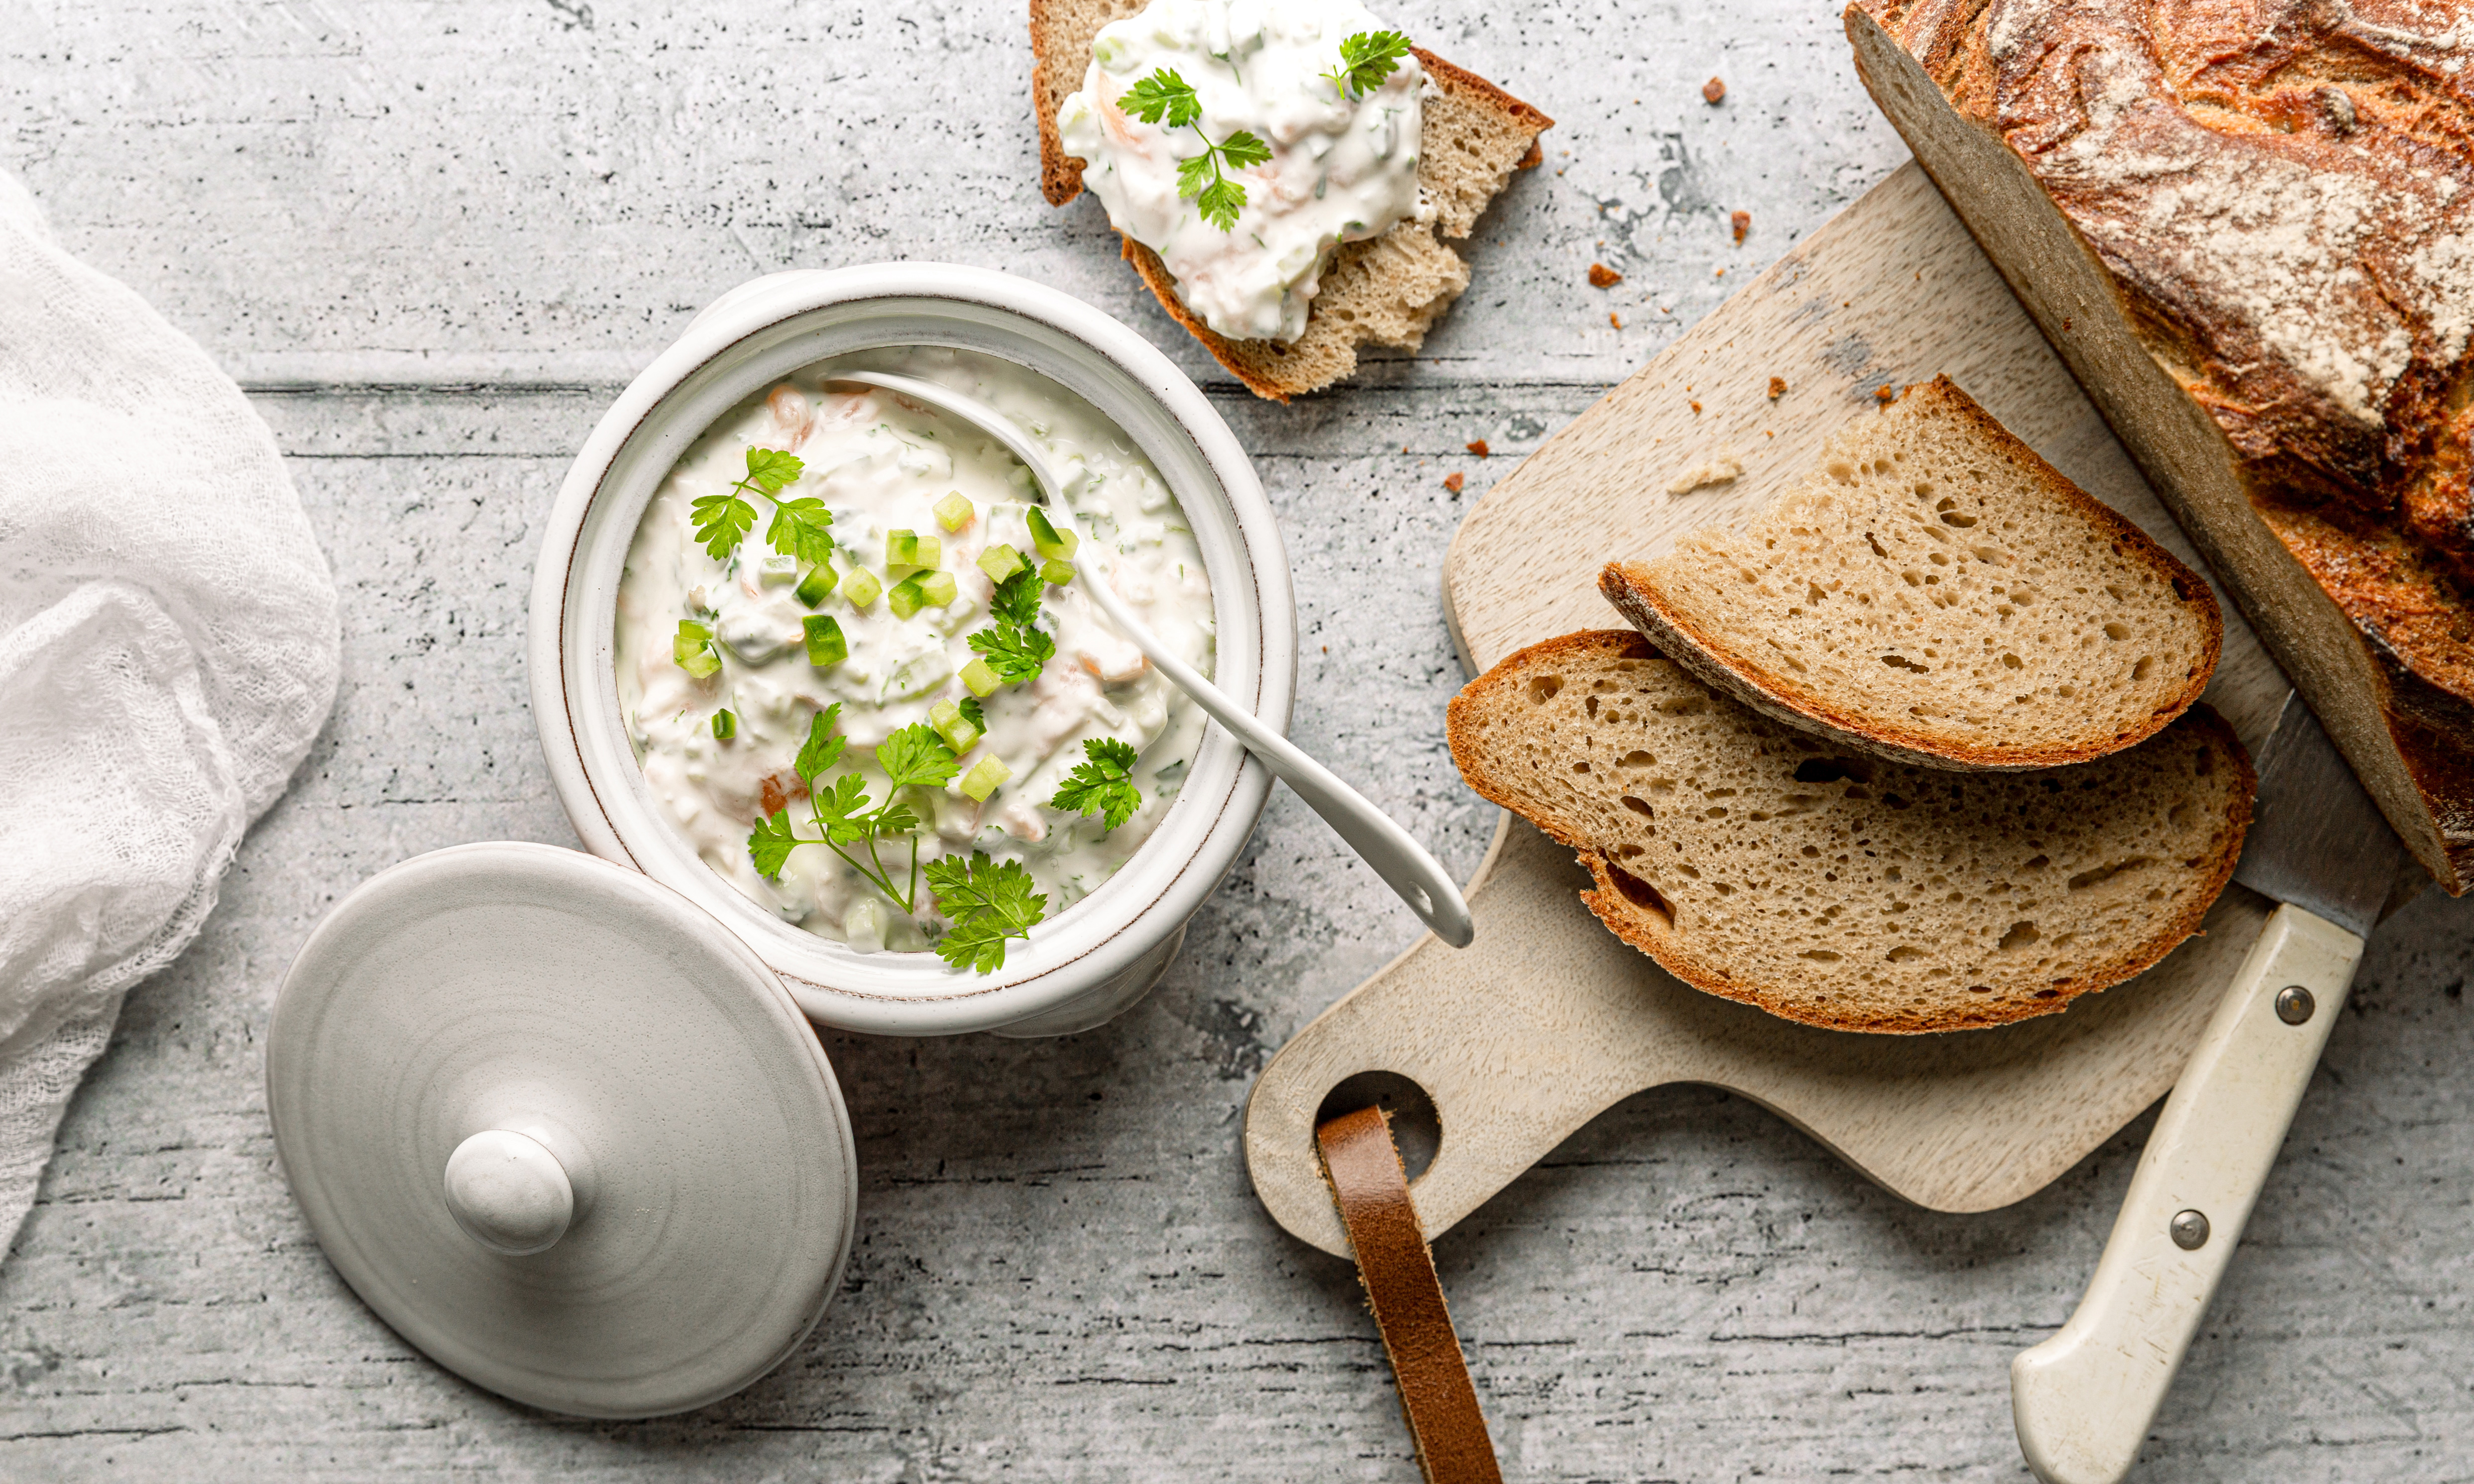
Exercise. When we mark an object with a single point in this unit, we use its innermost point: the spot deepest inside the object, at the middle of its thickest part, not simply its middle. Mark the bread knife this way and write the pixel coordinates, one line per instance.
(2318, 846)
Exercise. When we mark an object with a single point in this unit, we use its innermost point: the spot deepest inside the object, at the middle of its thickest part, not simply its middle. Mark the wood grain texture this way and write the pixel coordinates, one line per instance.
(434, 235)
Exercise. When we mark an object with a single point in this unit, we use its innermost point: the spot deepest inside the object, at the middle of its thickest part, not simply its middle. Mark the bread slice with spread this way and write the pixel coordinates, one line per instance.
(1935, 593)
(1386, 290)
(1764, 864)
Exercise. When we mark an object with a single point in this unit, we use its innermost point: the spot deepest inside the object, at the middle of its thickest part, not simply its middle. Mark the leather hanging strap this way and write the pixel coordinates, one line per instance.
(1373, 1190)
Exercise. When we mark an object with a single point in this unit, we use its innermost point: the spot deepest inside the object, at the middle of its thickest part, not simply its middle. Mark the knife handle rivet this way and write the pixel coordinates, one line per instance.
(2189, 1229)
(2293, 1006)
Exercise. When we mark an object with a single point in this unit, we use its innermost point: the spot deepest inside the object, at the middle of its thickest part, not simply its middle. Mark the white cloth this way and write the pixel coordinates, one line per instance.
(168, 651)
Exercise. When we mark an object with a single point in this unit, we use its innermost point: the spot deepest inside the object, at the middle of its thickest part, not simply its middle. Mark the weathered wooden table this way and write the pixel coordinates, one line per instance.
(434, 239)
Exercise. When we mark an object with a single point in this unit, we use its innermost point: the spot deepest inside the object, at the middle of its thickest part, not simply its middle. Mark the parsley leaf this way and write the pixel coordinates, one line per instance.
(1013, 646)
(1104, 785)
(1240, 150)
(990, 902)
(798, 529)
(722, 520)
(973, 713)
(773, 842)
(1163, 95)
(1219, 204)
(1365, 59)
(916, 755)
(839, 807)
(822, 748)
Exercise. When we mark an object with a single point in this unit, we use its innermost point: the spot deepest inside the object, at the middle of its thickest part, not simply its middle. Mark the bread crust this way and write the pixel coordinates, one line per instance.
(1633, 589)
(2294, 276)
(1255, 363)
(1646, 931)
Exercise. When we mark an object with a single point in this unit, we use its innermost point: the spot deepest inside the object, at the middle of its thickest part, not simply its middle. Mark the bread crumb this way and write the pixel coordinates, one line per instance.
(1721, 469)
(1742, 223)
(1696, 409)
(1720, 273)
(1453, 481)
(1713, 90)
(1884, 396)
(1616, 320)
(1601, 277)
(1476, 445)
(1778, 388)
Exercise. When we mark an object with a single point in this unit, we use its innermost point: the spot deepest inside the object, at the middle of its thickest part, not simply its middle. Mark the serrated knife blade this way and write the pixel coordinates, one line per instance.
(2315, 838)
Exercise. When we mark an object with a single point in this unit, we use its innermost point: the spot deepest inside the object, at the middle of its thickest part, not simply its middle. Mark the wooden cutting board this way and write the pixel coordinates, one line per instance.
(1547, 1019)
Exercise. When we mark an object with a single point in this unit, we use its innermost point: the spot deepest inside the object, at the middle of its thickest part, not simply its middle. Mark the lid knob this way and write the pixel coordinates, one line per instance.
(509, 1193)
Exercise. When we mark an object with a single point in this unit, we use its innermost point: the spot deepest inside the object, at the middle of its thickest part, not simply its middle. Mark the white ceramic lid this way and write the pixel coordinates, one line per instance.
(562, 1130)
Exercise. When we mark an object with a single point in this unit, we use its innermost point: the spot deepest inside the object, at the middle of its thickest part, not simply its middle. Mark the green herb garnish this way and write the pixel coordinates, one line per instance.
(989, 901)
(913, 758)
(798, 529)
(1166, 97)
(1104, 785)
(1365, 59)
(1012, 646)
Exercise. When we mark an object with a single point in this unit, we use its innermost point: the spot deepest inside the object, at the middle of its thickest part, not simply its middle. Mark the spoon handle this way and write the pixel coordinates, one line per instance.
(1397, 858)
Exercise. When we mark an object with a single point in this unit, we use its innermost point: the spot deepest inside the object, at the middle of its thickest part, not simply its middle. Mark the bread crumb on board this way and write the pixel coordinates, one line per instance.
(1742, 223)
(1713, 90)
(1453, 481)
(1601, 277)
(1616, 320)
(1778, 388)
(1884, 395)
(1722, 467)
(1476, 445)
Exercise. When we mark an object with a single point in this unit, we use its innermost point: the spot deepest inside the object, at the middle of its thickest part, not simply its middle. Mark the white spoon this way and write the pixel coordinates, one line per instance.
(1400, 861)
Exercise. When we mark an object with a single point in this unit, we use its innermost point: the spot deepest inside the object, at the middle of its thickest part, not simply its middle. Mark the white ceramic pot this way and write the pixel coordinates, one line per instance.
(1104, 952)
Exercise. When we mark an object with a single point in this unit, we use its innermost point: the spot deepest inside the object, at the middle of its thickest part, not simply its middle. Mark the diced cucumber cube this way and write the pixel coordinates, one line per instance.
(936, 589)
(982, 779)
(862, 588)
(692, 650)
(1049, 541)
(820, 581)
(909, 551)
(724, 725)
(904, 597)
(1001, 561)
(1055, 573)
(954, 726)
(982, 679)
(954, 511)
(778, 570)
(826, 646)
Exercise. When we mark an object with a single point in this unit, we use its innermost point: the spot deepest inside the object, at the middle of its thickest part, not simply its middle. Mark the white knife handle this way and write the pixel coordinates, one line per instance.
(2083, 1399)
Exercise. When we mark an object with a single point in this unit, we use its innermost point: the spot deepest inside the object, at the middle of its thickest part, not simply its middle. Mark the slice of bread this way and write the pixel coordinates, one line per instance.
(1935, 593)
(1387, 290)
(1758, 862)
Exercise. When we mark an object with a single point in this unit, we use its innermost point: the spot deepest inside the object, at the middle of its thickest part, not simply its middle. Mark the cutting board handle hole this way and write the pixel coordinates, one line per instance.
(1417, 1131)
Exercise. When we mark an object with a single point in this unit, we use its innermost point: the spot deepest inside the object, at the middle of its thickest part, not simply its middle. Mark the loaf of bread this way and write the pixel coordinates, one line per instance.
(2249, 231)
(1387, 290)
(1935, 593)
(1764, 864)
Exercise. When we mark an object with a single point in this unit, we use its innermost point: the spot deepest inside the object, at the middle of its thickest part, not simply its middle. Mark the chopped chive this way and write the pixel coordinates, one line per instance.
(936, 589)
(954, 511)
(692, 649)
(1001, 561)
(724, 725)
(954, 726)
(982, 779)
(980, 676)
(1046, 538)
(818, 581)
(862, 588)
(1057, 573)
(911, 551)
(904, 597)
(778, 570)
(826, 647)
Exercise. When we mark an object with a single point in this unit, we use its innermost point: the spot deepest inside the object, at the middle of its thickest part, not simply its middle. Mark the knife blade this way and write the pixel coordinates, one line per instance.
(2318, 846)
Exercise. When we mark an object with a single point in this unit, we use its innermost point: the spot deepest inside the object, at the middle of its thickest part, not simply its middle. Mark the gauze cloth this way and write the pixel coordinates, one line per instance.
(168, 651)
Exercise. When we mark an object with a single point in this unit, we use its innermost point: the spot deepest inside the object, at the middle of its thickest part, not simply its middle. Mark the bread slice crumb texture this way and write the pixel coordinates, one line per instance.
(1764, 864)
(1938, 593)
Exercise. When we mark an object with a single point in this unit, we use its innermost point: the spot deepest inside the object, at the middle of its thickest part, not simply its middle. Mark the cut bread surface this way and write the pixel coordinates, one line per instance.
(1387, 290)
(1936, 593)
(1766, 864)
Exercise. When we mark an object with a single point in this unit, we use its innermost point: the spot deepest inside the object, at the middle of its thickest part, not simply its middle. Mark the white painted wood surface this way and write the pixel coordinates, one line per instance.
(435, 235)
